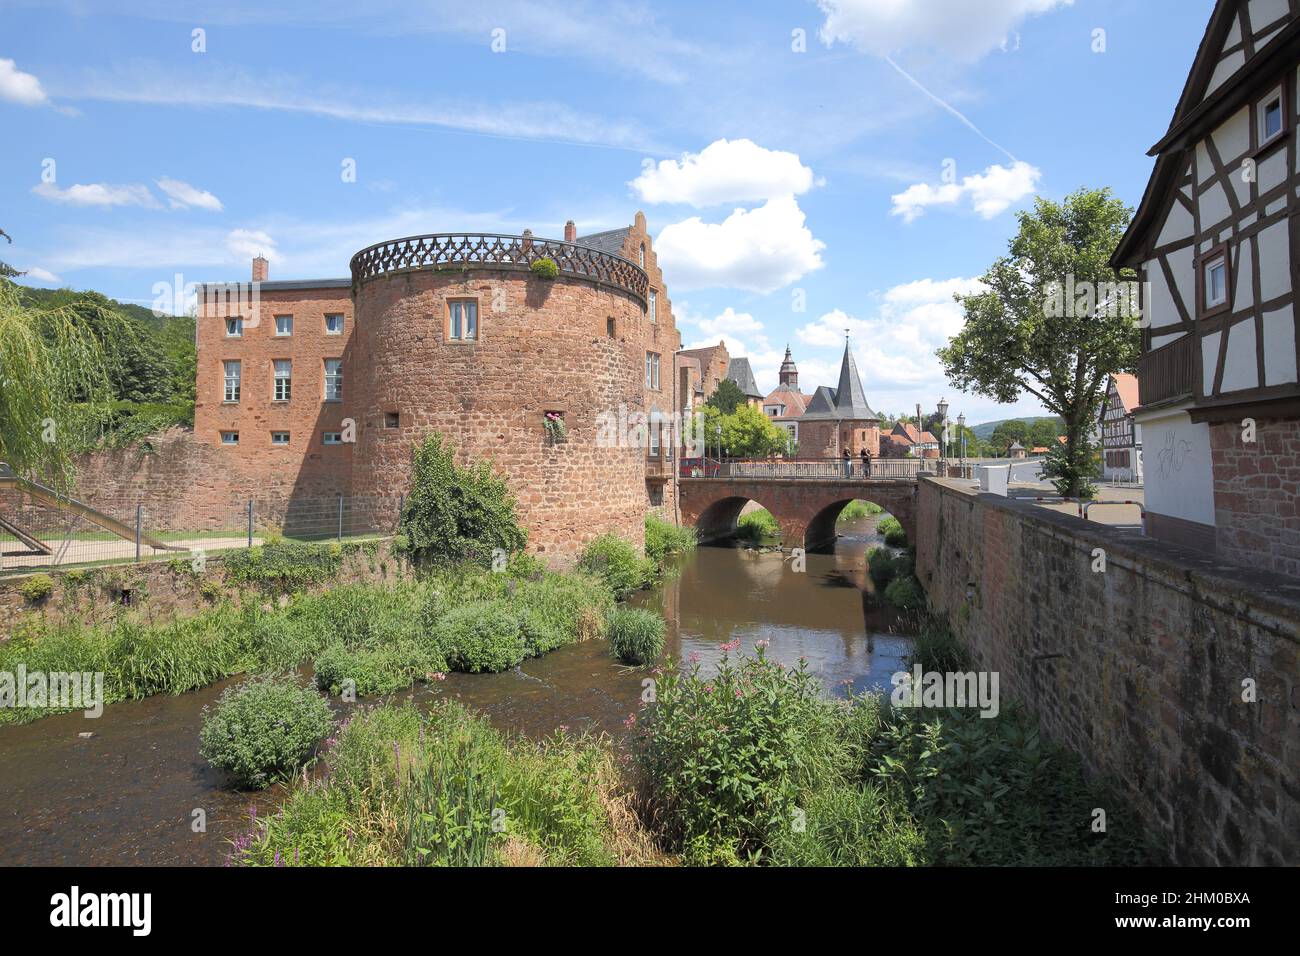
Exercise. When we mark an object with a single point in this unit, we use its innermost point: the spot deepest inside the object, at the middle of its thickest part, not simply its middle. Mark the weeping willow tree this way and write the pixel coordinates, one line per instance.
(53, 368)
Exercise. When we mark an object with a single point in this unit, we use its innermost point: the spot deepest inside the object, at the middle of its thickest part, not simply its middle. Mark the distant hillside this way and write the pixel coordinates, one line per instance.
(53, 298)
(985, 431)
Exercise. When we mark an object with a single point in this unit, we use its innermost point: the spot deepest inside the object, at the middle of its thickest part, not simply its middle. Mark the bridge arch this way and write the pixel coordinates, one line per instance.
(805, 509)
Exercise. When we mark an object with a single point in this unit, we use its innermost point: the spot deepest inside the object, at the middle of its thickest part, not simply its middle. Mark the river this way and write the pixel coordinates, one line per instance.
(128, 793)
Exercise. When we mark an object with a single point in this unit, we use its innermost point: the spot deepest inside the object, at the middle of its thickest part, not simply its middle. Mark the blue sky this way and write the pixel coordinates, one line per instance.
(853, 175)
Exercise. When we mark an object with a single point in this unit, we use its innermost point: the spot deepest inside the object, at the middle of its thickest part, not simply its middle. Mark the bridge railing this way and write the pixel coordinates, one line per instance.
(905, 469)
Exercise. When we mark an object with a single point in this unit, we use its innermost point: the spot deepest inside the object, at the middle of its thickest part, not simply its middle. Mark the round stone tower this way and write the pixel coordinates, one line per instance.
(481, 338)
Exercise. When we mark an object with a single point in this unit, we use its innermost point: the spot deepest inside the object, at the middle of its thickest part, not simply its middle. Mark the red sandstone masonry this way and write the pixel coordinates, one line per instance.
(1257, 494)
(1139, 669)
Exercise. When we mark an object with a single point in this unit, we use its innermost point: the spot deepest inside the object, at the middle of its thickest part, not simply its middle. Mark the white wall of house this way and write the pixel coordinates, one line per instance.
(1179, 481)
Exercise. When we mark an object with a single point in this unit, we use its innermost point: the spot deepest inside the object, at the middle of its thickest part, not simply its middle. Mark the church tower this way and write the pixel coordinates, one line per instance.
(789, 373)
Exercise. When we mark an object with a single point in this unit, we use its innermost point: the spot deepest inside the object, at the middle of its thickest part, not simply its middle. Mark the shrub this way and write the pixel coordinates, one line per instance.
(263, 729)
(457, 514)
(560, 609)
(892, 531)
(725, 756)
(283, 566)
(663, 538)
(544, 268)
(937, 649)
(636, 635)
(905, 593)
(859, 509)
(883, 567)
(374, 670)
(484, 636)
(37, 588)
(757, 525)
(990, 792)
(616, 562)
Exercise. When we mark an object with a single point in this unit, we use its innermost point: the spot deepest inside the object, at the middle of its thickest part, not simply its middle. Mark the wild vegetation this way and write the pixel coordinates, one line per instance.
(636, 635)
(263, 730)
(757, 526)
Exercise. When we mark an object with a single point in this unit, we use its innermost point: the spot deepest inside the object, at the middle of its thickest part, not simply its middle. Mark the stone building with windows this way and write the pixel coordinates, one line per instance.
(785, 404)
(322, 387)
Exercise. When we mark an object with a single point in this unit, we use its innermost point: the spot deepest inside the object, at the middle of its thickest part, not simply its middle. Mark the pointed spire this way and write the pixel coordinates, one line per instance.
(850, 399)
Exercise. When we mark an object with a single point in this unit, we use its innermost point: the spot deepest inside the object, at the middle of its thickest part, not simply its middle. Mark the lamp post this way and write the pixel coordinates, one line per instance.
(718, 431)
(943, 427)
(961, 439)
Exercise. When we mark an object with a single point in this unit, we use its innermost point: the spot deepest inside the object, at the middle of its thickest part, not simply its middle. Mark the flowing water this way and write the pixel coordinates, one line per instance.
(129, 792)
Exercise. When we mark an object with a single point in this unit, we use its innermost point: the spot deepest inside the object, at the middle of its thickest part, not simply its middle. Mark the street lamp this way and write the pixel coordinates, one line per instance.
(718, 431)
(961, 437)
(943, 425)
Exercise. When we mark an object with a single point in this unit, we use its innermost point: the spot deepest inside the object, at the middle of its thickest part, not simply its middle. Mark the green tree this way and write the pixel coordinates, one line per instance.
(1015, 339)
(457, 514)
(50, 366)
(6, 270)
(748, 433)
(1016, 430)
(727, 397)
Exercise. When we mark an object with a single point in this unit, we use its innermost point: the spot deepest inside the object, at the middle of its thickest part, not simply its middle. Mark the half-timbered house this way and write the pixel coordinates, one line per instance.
(1121, 436)
(1216, 240)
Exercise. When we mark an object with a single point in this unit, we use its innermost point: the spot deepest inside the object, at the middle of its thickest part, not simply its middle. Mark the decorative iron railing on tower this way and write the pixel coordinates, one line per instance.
(490, 250)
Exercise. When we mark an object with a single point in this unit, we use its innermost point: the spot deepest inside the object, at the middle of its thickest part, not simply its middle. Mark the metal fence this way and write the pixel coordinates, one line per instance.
(38, 533)
(826, 468)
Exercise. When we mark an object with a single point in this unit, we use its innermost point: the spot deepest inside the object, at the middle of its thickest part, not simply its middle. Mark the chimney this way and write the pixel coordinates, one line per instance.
(260, 269)
(570, 231)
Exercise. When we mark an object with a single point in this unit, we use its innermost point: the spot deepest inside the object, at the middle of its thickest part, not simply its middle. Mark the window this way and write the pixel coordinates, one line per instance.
(651, 370)
(234, 328)
(392, 419)
(609, 328)
(641, 256)
(1271, 116)
(230, 438)
(284, 325)
(654, 435)
(232, 372)
(334, 324)
(1215, 282)
(462, 319)
(283, 380)
(279, 438)
(654, 307)
(332, 438)
(334, 380)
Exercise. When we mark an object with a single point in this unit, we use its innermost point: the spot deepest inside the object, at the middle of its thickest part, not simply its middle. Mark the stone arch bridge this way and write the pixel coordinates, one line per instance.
(804, 508)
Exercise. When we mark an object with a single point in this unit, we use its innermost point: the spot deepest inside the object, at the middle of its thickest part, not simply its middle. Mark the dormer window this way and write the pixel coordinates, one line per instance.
(1271, 117)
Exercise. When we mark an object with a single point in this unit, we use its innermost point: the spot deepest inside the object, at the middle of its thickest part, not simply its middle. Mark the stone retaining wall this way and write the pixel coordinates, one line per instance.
(1140, 669)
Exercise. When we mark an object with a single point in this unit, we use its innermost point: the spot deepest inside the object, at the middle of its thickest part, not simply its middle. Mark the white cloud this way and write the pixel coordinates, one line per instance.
(730, 321)
(724, 171)
(147, 82)
(98, 194)
(895, 347)
(759, 250)
(247, 243)
(989, 193)
(42, 275)
(954, 28)
(182, 195)
(19, 87)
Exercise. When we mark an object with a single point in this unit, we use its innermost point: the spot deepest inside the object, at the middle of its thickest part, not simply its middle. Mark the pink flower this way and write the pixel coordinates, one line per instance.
(694, 658)
(708, 688)
(630, 722)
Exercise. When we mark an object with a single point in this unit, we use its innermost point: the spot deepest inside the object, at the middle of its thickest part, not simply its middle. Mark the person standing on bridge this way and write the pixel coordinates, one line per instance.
(848, 464)
(866, 462)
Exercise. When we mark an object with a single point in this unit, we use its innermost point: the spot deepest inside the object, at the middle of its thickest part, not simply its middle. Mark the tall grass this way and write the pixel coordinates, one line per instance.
(663, 538)
(444, 788)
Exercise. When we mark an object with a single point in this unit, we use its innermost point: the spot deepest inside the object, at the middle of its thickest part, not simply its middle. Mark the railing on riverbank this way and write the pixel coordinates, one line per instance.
(36, 535)
(833, 469)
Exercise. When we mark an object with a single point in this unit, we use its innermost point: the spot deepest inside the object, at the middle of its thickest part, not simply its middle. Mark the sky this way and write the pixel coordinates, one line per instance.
(804, 167)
